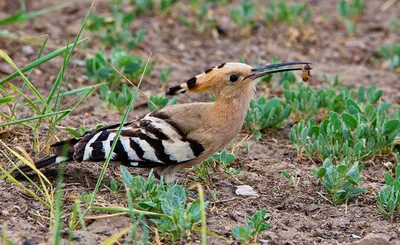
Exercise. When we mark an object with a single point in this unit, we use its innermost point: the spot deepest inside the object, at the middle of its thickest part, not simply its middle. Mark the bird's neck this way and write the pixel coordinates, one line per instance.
(234, 108)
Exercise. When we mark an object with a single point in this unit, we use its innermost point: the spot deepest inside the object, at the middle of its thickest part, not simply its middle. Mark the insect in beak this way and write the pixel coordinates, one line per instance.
(270, 69)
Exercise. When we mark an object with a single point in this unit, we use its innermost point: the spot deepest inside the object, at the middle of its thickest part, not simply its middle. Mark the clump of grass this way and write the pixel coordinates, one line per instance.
(391, 53)
(115, 30)
(394, 24)
(355, 134)
(99, 69)
(263, 114)
(292, 14)
(244, 15)
(200, 17)
(252, 228)
(341, 181)
(350, 13)
(292, 177)
(21, 14)
(119, 99)
(168, 206)
(151, 6)
(389, 197)
(165, 75)
(221, 159)
(158, 102)
(111, 71)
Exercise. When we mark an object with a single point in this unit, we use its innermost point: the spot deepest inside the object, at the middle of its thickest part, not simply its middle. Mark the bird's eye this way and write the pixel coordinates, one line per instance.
(233, 78)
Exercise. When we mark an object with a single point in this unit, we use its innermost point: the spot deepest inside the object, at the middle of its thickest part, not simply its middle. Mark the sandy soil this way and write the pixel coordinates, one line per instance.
(299, 214)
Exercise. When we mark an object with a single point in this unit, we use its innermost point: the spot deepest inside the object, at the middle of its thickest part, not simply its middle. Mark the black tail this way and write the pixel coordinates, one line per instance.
(74, 148)
(62, 152)
(47, 161)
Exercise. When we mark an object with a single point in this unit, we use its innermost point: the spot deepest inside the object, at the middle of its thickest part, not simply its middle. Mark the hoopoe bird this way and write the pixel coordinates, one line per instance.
(176, 136)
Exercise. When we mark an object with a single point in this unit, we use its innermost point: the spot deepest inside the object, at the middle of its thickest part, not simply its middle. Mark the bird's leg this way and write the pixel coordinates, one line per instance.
(167, 172)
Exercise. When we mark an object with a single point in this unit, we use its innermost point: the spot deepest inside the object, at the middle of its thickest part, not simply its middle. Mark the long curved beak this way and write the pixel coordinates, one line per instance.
(265, 70)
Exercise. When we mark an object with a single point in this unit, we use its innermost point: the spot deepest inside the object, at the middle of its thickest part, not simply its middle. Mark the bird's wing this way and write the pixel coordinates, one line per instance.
(153, 141)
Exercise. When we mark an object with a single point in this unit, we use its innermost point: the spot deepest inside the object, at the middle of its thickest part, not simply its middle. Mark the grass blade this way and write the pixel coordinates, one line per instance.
(32, 118)
(34, 90)
(22, 16)
(28, 101)
(7, 99)
(40, 61)
(127, 210)
(114, 238)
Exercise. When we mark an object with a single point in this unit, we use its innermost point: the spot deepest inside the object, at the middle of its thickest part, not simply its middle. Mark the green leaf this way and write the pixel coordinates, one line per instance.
(7, 99)
(388, 178)
(73, 132)
(286, 175)
(319, 173)
(349, 120)
(352, 107)
(22, 16)
(241, 234)
(390, 126)
(126, 176)
(360, 95)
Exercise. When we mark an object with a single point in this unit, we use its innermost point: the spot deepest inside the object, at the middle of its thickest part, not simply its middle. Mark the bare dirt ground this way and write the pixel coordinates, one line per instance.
(299, 214)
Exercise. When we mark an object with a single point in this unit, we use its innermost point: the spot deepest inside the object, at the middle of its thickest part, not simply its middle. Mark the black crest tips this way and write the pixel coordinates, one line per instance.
(208, 70)
(222, 65)
(191, 83)
(174, 90)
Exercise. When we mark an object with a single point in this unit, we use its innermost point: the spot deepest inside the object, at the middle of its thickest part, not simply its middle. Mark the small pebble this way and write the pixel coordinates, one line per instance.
(6, 69)
(245, 190)
(28, 50)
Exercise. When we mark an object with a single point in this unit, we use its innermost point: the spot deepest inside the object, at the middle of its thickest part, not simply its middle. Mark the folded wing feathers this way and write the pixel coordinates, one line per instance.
(149, 142)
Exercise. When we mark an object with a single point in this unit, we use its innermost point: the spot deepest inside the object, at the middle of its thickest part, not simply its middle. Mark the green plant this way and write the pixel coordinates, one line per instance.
(244, 15)
(263, 114)
(114, 187)
(248, 147)
(389, 197)
(165, 75)
(115, 30)
(307, 102)
(341, 181)
(85, 198)
(200, 17)
(143, 6)
(394, 24)
(350, 13)
(224, 159)
(292, 14)
(160, 102)
(165, 5)
(99, 70)
(202, 172)
(252, 228)
(78, 132)
(391, 53)
(21, 15)
(291, 177)
(356, 133)
(214, 195)
(304, 100)
(119, 99)
(43, 107)
(179, 214)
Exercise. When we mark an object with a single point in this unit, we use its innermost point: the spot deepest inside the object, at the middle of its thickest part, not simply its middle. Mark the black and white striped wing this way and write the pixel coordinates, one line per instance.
(150, 142)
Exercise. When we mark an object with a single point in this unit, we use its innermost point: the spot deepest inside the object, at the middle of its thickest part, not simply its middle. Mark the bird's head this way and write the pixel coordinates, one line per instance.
(230, 79)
